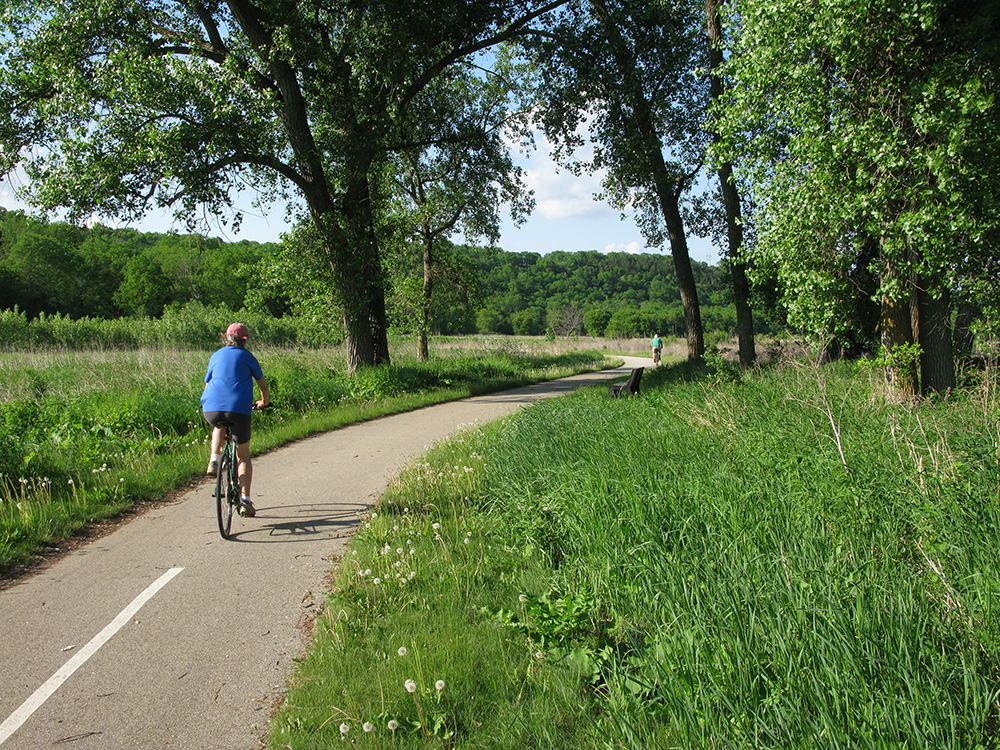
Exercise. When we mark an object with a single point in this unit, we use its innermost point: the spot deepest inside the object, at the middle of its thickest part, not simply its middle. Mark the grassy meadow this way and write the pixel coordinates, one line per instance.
(87, 434)
(775, 559)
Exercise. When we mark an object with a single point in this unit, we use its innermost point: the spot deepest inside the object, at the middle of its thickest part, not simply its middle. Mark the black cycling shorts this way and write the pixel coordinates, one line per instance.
(238, 423)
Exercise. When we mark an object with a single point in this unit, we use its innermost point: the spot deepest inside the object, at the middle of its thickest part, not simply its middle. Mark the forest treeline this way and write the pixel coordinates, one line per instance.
(57, 269)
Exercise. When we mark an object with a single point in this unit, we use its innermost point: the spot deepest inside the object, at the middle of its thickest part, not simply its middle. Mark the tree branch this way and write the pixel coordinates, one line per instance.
(512, 31)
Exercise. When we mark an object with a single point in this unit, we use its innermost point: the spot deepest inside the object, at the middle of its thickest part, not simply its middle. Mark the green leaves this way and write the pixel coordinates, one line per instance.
(861, 126)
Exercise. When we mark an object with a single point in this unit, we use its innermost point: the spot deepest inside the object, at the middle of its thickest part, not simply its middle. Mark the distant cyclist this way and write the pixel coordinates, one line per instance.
(657, 343)
(228, 398)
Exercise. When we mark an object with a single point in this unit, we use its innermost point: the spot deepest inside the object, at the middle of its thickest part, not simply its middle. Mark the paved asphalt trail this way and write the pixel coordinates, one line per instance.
(200, 662)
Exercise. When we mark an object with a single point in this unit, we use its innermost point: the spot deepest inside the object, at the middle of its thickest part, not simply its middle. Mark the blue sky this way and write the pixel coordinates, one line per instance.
(566, 217)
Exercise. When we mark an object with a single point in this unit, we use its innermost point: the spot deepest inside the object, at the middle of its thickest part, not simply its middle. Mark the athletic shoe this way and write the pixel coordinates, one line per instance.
(247, 508)
(213, 466)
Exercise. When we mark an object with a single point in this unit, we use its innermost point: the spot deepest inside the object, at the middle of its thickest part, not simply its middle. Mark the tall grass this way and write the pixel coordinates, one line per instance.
(84, 435)
(776, 560)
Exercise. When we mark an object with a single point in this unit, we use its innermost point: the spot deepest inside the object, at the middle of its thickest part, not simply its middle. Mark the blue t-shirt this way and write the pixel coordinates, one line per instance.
(230, 376)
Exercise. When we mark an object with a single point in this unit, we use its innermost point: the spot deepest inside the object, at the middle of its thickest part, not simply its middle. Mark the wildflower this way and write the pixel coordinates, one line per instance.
(374, 515)
(411, 686)
(344, 729)
(376, 581)
(368, 726)
(393, 725)
(402, 651)
(465, 541)
(439, 685)
(436, 526)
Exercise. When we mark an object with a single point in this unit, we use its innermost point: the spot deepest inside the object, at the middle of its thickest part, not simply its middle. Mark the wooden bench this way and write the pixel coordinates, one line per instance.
(630, 386)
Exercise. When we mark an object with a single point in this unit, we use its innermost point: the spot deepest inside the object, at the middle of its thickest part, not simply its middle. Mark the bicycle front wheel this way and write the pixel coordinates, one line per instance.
(224, 492)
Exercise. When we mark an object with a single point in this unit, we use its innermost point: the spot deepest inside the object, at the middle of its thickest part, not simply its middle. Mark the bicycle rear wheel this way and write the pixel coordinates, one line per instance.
(225, 492)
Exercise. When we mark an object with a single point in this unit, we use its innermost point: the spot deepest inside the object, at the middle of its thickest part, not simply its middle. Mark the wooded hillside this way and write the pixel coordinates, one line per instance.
(57, 268)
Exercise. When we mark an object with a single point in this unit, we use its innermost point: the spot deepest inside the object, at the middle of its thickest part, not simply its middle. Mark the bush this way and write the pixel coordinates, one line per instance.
(189, 326)
(625, 324)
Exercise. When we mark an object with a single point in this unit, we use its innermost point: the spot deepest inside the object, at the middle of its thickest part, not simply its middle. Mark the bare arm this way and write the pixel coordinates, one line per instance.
(265, 394)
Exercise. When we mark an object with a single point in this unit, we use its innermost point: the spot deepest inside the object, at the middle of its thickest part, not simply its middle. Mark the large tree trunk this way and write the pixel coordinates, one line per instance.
(937, 362)
(668, 191)
(896, 332)
(963, 338)
(349, 236)
(731, 199)
(670, 205)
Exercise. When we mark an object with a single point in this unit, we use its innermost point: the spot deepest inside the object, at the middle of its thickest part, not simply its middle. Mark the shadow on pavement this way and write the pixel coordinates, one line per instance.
(310, 521)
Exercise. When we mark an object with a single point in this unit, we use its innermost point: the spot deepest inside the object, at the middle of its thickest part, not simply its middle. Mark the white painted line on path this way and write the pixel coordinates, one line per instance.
(16, 719)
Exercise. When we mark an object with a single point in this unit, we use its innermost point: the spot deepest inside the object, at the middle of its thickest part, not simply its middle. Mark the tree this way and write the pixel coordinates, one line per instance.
(596, 320)
(625, 323)
(730, 198)
(868, 136)
(145, 289)
(625, 69)
(113, 106)
(461, 181)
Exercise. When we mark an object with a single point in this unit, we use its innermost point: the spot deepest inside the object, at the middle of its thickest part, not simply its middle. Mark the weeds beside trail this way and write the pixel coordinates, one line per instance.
(772, 560)
(85, 435)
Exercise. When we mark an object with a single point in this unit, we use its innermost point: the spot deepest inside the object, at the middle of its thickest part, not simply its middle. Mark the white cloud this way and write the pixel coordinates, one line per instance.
(631, 247)
(8, 199)
(559, 194)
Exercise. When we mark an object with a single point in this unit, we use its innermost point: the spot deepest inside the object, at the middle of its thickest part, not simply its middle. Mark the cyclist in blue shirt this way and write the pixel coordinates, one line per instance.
(228, 397)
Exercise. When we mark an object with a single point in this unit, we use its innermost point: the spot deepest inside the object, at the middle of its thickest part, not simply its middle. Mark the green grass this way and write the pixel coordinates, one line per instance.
(86, 435)
(779, 559)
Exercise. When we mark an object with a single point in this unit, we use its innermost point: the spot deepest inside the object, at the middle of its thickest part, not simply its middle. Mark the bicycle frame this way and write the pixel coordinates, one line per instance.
(227, 485)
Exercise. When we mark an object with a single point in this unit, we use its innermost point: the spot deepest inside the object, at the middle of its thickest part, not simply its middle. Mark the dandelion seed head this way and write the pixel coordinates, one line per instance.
(411, 686)
(402, 651)
(344, 728)
(393, 725)
(368, 726)
(439, 685)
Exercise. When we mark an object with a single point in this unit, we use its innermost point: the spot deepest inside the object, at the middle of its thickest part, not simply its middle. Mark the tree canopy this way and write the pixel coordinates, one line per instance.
(112, 106)
(867, 136)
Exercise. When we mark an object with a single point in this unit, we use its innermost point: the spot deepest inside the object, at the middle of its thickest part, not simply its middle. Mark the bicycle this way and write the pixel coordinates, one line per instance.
(656, 356)
(227, 482)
